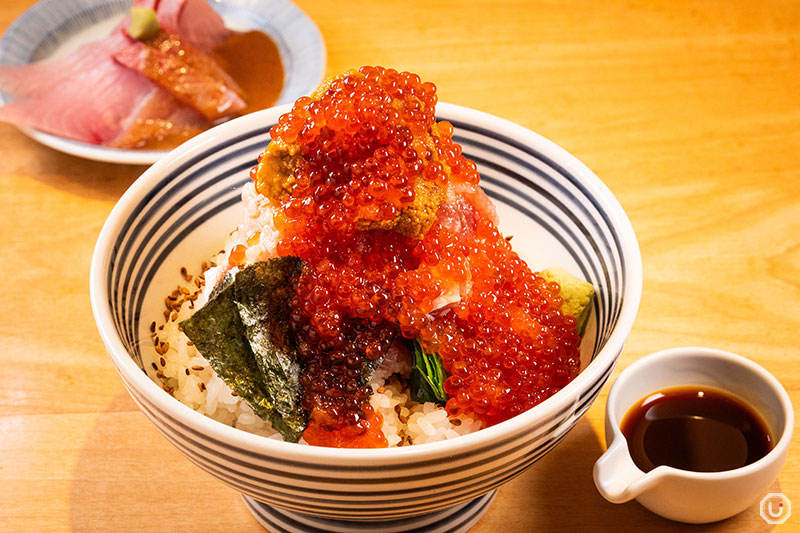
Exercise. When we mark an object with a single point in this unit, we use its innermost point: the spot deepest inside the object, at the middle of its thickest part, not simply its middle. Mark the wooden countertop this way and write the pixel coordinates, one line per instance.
(689, 111)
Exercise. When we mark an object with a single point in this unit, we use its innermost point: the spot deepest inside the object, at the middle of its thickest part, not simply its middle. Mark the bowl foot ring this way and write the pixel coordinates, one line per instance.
(457, 519)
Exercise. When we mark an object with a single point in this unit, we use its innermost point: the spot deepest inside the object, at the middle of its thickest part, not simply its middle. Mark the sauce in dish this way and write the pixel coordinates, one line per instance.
(695, 428)
(261, 86)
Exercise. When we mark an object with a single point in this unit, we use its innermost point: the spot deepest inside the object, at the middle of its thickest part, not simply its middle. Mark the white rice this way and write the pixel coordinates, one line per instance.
(189, 378)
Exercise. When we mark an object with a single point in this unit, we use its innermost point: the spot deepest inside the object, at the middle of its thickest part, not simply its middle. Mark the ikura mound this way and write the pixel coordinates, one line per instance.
(368, 298)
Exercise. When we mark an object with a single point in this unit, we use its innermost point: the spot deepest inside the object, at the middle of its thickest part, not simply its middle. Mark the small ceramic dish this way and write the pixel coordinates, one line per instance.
(53, 27)
(693, 497)
(181, 210)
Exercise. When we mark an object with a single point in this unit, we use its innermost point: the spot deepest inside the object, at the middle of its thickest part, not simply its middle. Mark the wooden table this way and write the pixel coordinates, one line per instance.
(689, 111)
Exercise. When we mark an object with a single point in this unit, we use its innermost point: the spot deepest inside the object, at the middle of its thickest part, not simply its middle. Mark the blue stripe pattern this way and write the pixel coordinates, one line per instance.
(203, 188)
(452, 520)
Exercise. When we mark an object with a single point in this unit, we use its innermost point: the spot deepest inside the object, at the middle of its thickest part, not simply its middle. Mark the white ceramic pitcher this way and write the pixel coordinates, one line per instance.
(694, 497)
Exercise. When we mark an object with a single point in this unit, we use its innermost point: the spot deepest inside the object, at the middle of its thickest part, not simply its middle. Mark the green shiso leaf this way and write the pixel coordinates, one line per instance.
(243, 332)
(427, 376)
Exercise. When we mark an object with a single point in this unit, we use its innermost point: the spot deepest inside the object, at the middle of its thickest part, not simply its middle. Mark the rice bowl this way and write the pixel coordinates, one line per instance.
(185, 205)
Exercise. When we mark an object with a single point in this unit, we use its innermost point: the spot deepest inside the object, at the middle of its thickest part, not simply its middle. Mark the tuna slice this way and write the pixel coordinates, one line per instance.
(192, 76)
(194, 20)
(161, 119)
(88, 96)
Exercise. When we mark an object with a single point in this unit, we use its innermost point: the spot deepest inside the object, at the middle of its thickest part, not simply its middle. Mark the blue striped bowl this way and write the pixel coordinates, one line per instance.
(179, 213)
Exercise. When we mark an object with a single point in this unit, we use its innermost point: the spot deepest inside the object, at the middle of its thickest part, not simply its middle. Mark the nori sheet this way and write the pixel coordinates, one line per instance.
(370, 365)
(263, 296)
(243, 332)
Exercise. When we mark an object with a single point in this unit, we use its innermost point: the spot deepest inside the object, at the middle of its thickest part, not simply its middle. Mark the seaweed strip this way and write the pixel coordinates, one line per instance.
(369, 368)
(224, 283)
(263, 296)
(239, 333)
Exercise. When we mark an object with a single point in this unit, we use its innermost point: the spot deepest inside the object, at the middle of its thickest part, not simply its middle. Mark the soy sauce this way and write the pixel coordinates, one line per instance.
(695, 428)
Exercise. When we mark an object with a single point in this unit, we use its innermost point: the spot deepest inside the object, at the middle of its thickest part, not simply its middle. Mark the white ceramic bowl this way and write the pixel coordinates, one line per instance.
(179, 213)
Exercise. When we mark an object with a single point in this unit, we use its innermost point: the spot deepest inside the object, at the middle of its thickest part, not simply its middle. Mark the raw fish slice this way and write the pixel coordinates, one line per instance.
(476, 197)
(190, 75)
(35, 79)
(85, 96)
(160, 121)
(194, 20)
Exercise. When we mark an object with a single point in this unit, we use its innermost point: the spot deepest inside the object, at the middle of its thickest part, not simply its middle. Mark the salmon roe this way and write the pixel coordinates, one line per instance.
(398, 240)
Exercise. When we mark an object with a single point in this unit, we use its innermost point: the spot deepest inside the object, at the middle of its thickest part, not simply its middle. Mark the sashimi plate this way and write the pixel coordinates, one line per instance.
(51, 28)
